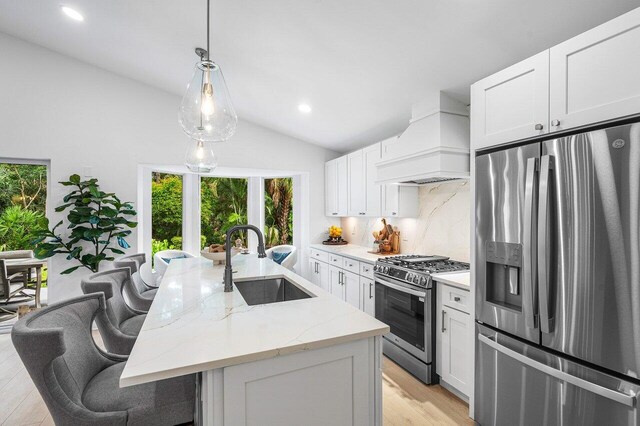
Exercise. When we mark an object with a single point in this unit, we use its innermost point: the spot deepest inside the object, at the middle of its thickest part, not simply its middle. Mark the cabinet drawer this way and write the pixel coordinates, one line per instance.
(454, 297)
(351, 265)
(322, 256)
(336, 260)
(366, 270)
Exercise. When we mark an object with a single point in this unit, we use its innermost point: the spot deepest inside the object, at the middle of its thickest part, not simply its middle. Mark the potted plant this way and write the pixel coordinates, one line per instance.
(95, 219)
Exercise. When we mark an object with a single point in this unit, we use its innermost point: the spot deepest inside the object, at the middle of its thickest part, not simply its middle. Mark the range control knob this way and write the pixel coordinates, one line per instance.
(416, 279)
(409, 277)
(423, 281)
(385, 269)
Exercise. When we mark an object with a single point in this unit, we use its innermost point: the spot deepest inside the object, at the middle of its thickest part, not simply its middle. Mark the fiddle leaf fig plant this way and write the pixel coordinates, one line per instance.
(96, 219)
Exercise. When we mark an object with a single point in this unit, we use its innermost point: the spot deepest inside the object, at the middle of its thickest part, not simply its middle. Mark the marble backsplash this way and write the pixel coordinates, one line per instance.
(443, 226)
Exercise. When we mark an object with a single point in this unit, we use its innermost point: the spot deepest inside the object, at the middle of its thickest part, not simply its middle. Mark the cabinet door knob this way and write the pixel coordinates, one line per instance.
(555, 123)
(457, 299)
(394, 213)
(539, 126)
(334, 214)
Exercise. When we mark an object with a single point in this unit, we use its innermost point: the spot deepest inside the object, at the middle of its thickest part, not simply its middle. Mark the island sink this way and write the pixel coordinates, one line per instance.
(270, 290)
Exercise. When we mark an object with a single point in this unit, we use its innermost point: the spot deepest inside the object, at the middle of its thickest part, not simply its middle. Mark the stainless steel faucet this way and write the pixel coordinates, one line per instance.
(228, 271)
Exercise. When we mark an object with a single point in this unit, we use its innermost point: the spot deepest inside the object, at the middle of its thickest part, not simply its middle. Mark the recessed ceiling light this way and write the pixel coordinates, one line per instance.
(72, 13)
(306, 108)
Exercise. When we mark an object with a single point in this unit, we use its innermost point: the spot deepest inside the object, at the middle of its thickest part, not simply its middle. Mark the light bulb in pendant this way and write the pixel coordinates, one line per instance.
(200, 151)
(208, 107)
(206, 112)
(200, 157)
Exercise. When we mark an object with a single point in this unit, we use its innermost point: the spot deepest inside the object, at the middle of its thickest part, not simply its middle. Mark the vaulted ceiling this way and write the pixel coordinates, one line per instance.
(360, 64)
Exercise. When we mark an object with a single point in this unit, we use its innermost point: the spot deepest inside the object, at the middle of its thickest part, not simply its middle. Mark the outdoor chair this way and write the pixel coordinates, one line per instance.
(19, 254)
(79, 382)
(11, 287)
(276, 253)
(162, 258)
(121, 325)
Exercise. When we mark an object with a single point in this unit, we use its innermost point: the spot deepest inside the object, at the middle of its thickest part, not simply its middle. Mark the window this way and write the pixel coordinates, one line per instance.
(185, 211)
(278, 217)
(23, 197)
(223, 204)
(166, 212)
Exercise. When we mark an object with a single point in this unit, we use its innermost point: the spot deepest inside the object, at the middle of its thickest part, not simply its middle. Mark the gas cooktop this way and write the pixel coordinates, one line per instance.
(416, 269)
(426, 264)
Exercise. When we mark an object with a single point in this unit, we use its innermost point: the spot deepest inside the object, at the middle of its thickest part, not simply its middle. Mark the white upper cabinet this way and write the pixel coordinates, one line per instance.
(596, 75)
(356, 179)
(335, 175)
(511, 104)
(364, 193)
(353, 177)
(588, 79)
(400, 201)
(373, 191)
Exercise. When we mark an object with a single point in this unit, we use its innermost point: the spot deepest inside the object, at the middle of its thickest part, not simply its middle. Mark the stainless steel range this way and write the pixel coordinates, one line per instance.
(405, 301)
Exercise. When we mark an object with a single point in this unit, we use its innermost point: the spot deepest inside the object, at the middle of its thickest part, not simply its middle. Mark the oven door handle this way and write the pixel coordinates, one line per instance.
(401, 288)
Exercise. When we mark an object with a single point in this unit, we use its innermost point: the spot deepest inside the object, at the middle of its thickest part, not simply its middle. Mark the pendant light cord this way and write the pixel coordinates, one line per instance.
(208, 19)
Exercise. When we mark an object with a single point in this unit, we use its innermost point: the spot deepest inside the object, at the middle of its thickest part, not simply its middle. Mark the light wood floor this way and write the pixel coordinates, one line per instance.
(406, 401)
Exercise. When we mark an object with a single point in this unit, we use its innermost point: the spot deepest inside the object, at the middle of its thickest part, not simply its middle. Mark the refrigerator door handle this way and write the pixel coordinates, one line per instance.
(544, 248)
(530, 292)
(628, 400)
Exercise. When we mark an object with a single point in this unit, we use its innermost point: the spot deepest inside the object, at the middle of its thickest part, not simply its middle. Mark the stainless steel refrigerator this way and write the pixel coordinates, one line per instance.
(558, 281)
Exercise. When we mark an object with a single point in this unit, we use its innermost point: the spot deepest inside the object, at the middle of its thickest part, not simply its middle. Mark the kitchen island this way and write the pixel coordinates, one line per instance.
(312, 361)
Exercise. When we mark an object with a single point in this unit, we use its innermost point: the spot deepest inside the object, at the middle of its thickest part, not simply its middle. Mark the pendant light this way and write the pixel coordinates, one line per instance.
(206, 112)
(200, 157)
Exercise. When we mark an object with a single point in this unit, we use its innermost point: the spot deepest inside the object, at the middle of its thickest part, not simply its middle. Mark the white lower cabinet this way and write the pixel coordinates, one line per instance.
(454, 350)
(335, 385)
(351, 284)
(335, 282)
(347, 279)
(368, 294)
(319, 273)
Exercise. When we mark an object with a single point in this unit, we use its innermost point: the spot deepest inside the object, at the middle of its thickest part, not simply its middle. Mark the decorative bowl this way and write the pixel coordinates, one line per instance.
(218, 258)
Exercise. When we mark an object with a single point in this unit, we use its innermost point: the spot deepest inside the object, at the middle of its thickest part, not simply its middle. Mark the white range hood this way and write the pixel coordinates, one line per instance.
(435, 146)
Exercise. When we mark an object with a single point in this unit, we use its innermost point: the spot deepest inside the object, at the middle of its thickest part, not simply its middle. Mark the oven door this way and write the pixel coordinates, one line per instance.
(404, 310)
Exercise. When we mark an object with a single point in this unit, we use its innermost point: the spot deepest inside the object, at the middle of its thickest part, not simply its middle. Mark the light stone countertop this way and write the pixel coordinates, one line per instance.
(350, 250)
(193, 325)
(457, 279)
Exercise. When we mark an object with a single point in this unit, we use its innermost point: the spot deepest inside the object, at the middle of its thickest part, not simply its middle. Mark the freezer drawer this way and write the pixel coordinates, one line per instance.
(519, 384)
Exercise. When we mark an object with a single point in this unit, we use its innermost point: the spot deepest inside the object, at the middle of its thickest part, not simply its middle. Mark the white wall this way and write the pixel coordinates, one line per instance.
(442, 227)
(75, 115)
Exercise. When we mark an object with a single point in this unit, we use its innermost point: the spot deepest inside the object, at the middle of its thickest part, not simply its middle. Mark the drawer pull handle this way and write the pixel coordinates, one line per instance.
(443, 329)
(457, 299)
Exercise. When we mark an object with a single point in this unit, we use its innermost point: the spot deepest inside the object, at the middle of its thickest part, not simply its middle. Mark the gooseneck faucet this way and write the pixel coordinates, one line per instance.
(228, 271)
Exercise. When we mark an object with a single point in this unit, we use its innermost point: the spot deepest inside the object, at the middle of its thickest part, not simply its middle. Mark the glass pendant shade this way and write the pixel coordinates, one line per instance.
(200, 157)
(206, 111)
